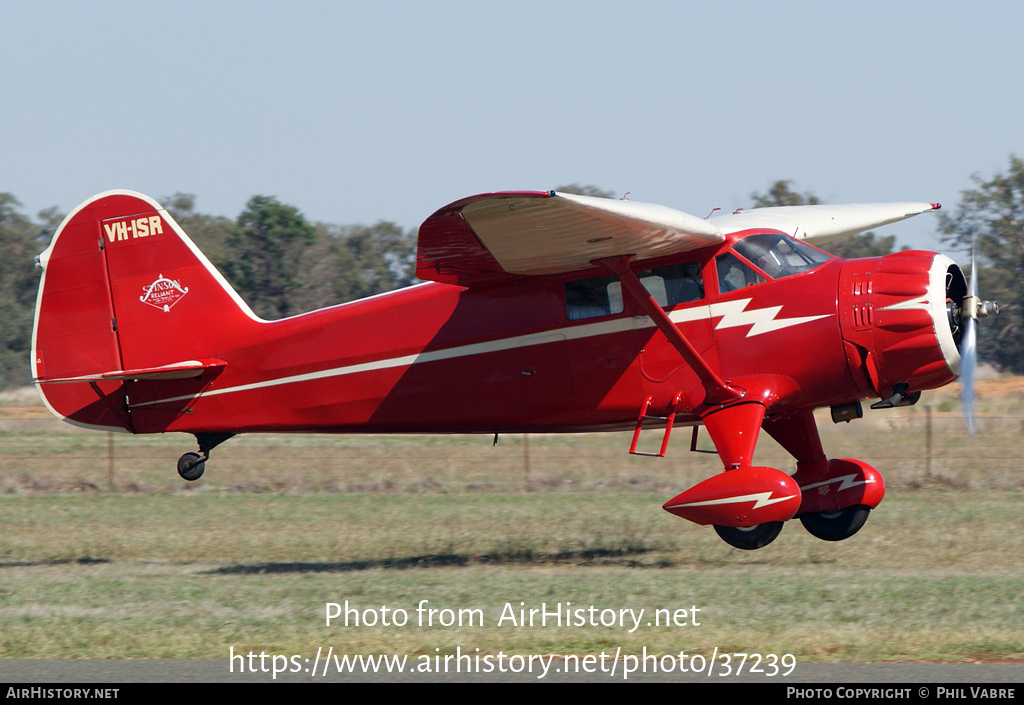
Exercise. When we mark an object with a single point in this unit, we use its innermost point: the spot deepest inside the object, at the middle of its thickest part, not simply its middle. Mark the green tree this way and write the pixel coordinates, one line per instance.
(861, 245)
(354, 261)
(585, 190)
(20, 241)
(855, 246)
(992, 214)
(210, 233)
(780, 194)
(268, 251)
(374, 259)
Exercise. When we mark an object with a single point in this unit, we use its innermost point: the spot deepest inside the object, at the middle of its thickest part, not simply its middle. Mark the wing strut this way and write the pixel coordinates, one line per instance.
(718, 392)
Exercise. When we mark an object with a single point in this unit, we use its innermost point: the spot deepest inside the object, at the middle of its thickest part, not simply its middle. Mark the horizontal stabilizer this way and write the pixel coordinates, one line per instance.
(190, 369)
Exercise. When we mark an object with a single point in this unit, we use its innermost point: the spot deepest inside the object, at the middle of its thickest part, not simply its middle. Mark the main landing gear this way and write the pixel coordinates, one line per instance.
(836, 525)
(191, 465)
(750, 537)
(748, 504)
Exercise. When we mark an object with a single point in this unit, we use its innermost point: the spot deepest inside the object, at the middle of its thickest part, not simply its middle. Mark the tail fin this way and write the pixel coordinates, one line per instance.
(125, 295)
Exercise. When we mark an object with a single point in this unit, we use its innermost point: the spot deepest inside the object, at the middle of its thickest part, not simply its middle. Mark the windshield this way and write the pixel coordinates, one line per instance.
(780, 256)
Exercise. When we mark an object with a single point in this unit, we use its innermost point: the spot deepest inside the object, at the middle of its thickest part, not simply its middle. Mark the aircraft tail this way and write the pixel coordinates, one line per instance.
(126, 297)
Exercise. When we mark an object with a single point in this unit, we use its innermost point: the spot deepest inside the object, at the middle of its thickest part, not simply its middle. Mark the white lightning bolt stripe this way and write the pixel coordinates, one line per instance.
(920, 303)
(847, 480)
(761, 320)
(734, 315)
(760, 499)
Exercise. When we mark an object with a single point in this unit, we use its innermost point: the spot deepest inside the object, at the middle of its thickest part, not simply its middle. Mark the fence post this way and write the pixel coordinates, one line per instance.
(110, 460)
(928, 443)
(526, 458)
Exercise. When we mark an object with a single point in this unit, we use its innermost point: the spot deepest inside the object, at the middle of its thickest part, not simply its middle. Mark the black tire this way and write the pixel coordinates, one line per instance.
(751, 537)
(838, 525)
(190, 467)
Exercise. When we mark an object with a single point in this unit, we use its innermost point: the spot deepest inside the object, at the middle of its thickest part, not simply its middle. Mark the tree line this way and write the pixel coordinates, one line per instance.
(282, 264)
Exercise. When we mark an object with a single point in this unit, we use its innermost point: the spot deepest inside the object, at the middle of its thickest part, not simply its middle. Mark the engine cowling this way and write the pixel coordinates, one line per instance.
(899, 316)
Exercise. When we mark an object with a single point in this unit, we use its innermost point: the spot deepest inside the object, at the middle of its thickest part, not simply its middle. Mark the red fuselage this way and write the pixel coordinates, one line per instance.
(441, 358)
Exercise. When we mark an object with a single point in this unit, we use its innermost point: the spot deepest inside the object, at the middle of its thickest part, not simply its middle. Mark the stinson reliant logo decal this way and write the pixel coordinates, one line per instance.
(163, 293)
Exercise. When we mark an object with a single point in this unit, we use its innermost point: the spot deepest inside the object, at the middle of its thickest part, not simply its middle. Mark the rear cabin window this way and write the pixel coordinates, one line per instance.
(589, 298)
(602, 296)
(675, 284)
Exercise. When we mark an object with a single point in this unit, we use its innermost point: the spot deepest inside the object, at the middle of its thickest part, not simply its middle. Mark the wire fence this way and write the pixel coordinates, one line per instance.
(912, 447)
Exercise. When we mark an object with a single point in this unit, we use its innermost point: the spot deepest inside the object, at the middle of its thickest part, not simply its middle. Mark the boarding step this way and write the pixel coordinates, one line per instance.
(644, 416)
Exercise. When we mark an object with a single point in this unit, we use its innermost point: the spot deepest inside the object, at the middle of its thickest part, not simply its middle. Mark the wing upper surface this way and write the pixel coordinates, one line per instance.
(498, 235)
(821, 223)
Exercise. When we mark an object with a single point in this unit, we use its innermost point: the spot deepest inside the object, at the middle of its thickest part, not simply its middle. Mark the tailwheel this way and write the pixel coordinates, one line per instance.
(837, 525)
(191, 466)
(750, 538)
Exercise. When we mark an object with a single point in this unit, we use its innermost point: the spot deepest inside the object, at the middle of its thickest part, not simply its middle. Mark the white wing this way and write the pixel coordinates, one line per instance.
(821, 223)
(566, 232)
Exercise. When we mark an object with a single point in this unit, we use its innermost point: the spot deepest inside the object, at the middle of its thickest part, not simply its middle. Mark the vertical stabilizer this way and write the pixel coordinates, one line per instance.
(125, 292)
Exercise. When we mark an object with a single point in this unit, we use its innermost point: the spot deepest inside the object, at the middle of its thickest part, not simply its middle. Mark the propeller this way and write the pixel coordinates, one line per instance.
(971, 310)
(969, 345)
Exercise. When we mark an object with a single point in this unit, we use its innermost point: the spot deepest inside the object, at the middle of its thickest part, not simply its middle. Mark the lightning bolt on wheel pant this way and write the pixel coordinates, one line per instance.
(742, 498)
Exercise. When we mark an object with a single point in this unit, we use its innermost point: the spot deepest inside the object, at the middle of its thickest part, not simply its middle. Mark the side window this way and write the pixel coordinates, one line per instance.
(675, 284)
(589, 298)
(734, 274)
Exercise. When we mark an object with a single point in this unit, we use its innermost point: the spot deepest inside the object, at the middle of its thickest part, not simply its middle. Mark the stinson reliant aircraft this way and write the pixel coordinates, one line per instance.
(540, 312)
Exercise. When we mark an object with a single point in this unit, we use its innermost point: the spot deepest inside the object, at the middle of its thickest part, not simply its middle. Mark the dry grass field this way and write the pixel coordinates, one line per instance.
(106, 553)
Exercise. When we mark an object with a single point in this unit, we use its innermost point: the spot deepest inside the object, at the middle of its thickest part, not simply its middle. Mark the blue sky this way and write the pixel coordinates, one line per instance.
(357, 111)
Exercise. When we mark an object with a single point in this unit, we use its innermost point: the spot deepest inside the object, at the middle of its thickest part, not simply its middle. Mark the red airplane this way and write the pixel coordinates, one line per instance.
(540, 312)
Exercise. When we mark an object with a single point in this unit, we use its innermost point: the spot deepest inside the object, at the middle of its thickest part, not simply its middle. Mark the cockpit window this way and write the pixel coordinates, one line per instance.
(734, 273)
(780, 256)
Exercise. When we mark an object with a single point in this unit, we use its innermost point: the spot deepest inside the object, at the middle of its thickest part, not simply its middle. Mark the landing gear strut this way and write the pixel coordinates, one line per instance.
(826, 484)
(191, 465)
